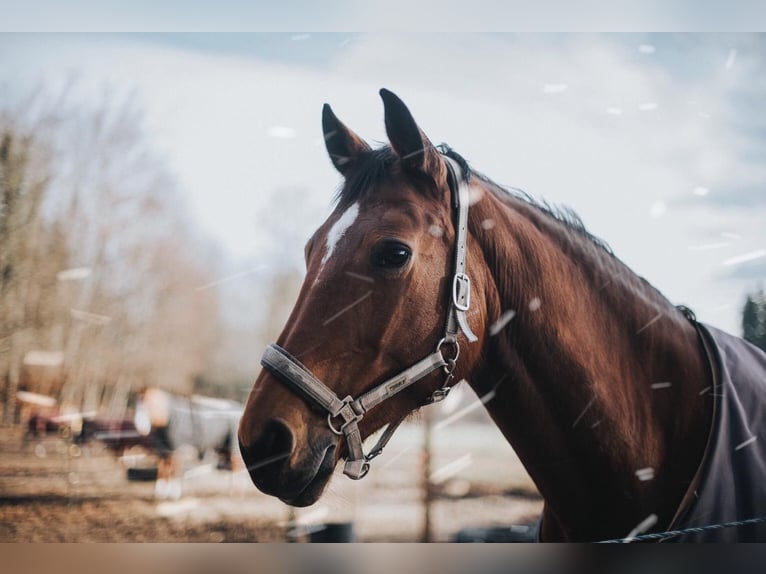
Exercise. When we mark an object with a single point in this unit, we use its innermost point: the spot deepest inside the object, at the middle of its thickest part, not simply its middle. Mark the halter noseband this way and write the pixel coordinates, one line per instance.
(344, 414)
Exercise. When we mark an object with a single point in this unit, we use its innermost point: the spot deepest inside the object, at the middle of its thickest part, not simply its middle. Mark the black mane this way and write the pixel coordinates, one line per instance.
(374, 166)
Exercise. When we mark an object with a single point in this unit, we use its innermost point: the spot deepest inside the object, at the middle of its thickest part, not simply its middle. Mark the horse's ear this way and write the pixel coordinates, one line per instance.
(412, 146)
(343, 145)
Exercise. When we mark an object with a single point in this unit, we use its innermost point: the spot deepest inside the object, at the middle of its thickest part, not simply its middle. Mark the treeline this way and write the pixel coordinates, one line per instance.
(100, 272)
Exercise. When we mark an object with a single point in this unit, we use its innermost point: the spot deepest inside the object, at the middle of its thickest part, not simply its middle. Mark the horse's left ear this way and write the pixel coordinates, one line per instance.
(409, 142)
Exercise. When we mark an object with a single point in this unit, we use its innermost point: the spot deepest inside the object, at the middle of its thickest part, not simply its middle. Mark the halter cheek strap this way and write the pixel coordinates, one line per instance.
(461, 283)
(343, 415)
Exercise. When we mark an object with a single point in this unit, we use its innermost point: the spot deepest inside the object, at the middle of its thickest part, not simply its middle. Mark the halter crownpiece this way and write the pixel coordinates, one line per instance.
(343, 415)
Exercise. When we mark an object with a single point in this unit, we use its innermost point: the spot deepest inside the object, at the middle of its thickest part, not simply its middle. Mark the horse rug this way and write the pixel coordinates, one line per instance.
(730, 483)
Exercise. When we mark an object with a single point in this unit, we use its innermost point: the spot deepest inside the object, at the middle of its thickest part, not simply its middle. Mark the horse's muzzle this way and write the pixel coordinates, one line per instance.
(273, 469)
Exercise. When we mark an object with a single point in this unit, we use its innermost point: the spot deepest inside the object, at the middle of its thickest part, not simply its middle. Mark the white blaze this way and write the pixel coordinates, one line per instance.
(339, 229)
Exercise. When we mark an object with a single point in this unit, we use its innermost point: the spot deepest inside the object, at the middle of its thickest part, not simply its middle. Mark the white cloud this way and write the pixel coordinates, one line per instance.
(214, 117)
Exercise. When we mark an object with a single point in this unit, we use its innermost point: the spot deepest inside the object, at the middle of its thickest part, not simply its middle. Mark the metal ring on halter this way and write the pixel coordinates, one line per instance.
(449, 367)
(454, 344)
(332, 428)
(342, 427)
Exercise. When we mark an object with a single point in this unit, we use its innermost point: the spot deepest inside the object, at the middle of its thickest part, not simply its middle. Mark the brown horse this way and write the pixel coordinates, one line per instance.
(595, 374)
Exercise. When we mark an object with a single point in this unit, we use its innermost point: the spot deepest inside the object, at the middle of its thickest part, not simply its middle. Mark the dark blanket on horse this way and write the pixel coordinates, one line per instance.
(730, 484)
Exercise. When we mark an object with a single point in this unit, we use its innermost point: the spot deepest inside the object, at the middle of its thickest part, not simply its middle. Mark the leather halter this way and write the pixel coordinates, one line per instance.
(349, 411)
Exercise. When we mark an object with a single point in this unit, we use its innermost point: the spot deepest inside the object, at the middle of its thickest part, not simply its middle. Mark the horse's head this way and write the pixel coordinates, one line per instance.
(363, 347)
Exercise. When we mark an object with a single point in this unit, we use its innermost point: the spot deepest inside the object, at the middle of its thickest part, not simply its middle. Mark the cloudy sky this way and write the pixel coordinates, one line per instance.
(657, 141)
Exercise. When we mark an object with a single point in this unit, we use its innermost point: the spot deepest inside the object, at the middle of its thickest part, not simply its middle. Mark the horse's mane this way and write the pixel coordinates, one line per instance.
(371, 168)
(375, 165)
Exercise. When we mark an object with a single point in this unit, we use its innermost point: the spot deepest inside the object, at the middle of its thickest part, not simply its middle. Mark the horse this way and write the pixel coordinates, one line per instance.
(205, 423)
(628, 414)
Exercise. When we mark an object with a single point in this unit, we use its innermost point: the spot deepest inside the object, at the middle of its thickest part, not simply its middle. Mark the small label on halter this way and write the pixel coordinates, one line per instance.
(394, 386)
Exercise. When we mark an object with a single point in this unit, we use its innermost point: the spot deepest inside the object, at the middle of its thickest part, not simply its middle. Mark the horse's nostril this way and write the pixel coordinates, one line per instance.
(273, 445)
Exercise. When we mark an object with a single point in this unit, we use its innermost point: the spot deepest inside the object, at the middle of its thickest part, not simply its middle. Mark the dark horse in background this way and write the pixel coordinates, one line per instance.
(629, 415)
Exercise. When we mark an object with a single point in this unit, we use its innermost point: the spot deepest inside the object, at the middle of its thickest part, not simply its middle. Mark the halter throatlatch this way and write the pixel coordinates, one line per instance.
(343, 415)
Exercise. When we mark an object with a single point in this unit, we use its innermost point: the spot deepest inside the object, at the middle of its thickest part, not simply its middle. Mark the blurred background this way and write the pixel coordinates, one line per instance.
(157, 191)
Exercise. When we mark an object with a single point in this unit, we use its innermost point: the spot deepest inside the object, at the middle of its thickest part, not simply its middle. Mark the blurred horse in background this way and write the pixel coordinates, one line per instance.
(162, 423)
(167, 421)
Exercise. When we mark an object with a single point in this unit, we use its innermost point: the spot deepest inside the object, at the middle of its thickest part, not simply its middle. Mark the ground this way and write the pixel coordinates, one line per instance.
(53, 491)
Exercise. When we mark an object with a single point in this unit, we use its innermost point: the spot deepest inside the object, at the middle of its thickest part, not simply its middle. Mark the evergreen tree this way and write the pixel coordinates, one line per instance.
(754, 319)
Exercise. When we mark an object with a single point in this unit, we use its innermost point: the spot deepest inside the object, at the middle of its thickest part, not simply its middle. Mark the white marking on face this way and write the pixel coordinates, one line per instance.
(339, 229)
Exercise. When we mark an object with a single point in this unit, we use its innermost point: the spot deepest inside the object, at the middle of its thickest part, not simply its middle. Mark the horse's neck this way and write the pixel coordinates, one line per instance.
(600, 377)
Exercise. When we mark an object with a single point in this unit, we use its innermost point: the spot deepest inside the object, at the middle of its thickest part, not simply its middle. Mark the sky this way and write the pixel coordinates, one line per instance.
(657, 141)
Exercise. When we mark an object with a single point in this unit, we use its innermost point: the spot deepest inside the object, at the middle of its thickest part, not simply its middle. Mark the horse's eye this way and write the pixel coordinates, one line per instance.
(390, 255)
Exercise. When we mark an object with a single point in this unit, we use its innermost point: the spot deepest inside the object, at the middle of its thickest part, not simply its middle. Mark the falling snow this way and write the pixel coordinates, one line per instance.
(650, 323)
(474, 195)
(465, 410)
(436, 231)
(585, 410)
(645, 474)
(658, 209)
(498, 325)
(642, 526)
(554, 88)
(281, 132)
(88, 317)
(230, 278)
(488, 224)
(365, 278)
(415, 153)
(451, 469)
(646, 49)
(664, 385)
(647, 106)
(701, 191)
(534, 304)
(347, 308)
(745, 257)
(196, 472)
(708, 246)
(73, 274)
(749, 441)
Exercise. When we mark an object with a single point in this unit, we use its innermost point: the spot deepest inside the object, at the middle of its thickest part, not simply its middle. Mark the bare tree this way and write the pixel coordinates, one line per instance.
(97, 257)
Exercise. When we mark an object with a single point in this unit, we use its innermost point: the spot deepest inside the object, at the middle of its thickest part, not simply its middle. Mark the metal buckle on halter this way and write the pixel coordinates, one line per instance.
(347, 412)
(461, 289)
